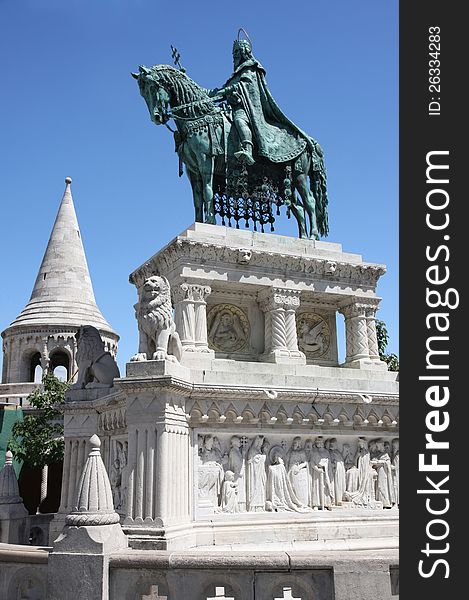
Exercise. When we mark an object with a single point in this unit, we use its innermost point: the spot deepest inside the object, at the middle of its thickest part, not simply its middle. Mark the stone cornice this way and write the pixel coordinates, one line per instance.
(201, 391)
(306, 267)
(47, 330)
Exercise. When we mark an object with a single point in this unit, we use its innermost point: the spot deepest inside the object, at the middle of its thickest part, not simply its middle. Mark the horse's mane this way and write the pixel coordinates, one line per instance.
(185, 90)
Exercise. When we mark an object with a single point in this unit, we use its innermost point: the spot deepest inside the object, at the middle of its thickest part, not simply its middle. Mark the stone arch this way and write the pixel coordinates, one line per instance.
(30, 359)
(60, 357)
(35, 368)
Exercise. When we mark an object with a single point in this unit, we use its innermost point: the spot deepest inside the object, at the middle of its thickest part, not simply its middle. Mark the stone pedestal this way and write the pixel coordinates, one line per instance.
(199, 452)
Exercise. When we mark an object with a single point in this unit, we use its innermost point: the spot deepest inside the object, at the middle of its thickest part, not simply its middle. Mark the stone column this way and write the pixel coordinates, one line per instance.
(45, 355)
(281, 342)
(190, 315)
(370, 313)
(360, 335)
(158, 464)
(172, 475)
(141, 490)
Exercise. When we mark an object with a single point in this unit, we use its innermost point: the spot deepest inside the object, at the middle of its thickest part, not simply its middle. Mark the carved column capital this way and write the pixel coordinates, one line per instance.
(191, 292)
(355, 309)
(279, 298)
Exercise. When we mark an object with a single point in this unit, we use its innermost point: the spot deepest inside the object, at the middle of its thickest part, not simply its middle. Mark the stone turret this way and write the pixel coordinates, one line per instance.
(13, 514)
(62, 300)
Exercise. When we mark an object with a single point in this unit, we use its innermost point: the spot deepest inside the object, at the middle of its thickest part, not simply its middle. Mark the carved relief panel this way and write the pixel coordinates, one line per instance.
(228, 328)
(278, 472)
(317, 335)
(235, 324)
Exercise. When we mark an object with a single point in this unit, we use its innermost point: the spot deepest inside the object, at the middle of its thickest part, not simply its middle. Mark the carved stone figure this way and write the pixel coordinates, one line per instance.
(237, 466)
(117, 476)
(96, 367)
(298, 472)
(229, 494)
(280, 494)
(313, 334)
(255, 475)
(228, 328)
(244, 256)
(351, 470)
(211, 470)
(158, 337)
(395, 465)
(322, 488)
(384, 483)
(308, 449)
(364, 496)
(336, 471)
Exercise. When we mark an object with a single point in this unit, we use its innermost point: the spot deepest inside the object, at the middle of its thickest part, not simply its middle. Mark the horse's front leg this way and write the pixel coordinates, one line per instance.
(206, 171)
(196, 184)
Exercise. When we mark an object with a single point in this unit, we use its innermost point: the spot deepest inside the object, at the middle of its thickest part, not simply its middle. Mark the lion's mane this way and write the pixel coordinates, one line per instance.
(90, 344)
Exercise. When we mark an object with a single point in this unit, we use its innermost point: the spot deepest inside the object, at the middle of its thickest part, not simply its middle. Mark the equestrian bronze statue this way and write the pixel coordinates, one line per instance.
(244, 158)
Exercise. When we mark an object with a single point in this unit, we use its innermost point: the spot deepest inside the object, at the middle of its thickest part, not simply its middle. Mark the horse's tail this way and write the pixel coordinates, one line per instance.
(317, 178)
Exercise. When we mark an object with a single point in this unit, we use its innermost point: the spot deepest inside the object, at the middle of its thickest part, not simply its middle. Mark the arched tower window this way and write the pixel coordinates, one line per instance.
(35, 369)
(59, 364)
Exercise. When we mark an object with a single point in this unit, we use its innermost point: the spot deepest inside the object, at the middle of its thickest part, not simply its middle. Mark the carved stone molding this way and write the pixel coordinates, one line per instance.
(364, 274)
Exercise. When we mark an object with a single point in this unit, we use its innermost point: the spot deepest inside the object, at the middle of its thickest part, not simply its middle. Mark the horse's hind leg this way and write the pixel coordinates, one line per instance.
(299, 214)
(309, 203)
(206, 172)
(196, 184)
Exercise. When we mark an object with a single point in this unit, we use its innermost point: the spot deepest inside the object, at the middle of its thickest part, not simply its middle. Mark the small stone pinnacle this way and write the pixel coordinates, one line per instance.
(95, 441)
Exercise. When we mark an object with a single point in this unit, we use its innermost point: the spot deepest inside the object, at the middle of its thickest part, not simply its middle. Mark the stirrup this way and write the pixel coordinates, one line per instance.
(244, 156)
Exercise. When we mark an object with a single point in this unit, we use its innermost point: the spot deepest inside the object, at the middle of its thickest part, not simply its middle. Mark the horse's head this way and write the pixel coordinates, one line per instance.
(164, 87)
(155, 89)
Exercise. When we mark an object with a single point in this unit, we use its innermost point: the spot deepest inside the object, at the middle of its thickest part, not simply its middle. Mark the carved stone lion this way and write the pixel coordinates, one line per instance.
(96, 367)
(158, 337)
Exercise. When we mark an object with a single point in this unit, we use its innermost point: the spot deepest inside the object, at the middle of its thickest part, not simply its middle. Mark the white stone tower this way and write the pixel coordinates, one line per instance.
(62, 299)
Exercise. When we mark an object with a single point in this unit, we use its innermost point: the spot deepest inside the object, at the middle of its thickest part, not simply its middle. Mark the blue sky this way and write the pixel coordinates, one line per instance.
(70, 107)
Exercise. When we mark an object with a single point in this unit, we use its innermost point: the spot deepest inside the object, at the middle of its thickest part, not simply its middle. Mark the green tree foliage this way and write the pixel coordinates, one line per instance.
(392, 360)
(38, 439)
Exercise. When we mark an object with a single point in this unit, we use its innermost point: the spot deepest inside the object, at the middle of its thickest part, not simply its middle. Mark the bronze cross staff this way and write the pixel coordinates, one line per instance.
(176, 56)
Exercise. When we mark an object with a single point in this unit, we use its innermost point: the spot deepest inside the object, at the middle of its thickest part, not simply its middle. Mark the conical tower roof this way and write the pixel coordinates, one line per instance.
(63, 293)
(9, 491)
(94, 505)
